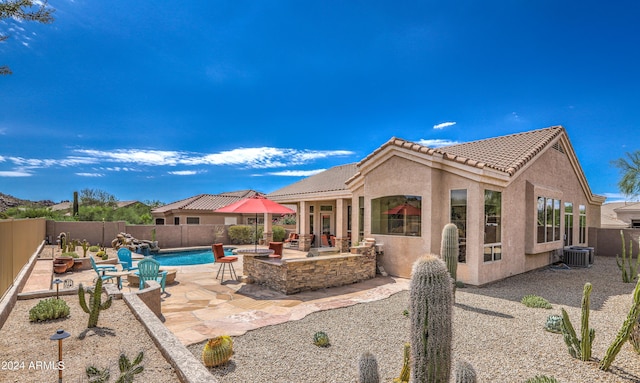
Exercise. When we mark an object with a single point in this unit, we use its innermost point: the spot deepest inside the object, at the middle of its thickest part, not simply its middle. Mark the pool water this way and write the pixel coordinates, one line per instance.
(185, 258)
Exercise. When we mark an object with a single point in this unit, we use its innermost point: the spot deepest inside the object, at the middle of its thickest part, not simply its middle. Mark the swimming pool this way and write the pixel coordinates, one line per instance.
(186, 258)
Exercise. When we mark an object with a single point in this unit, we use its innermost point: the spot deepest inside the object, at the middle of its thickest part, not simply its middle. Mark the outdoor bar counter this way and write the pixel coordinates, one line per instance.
(293, 275)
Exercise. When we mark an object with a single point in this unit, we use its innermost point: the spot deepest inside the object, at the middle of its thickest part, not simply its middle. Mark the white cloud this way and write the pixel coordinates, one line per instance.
(437, 143)
(141, 157)
(15, 173)
(443, 125)
(3, 131)
(619, 197)
(296, 173)
(184, 172)
(90, 174)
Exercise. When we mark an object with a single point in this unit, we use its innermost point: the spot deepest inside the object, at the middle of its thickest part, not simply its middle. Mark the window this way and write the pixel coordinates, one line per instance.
(492, 225)
(582, 233)
(252, 220)
(568, 224)
(159, 221)
(360, 218)
(548, 220)
(326, 208)
(193, 220)
(176, 220)
(311, 220)
(459, 218)
(635, 223)
(396, 215)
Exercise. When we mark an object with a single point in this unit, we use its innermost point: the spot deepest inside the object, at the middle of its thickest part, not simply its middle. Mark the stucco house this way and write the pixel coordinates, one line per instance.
(620, 215)
(199, 210)
(516, 200)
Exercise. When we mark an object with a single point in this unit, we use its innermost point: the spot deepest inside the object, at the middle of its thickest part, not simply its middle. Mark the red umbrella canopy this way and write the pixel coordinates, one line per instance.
(404, 209)
(256, 204)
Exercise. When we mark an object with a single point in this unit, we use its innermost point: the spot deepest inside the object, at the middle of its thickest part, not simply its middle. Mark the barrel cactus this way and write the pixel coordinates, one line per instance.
(431, 300)
(368, 369)
(449, 249)
(321, 339)
(217, 351)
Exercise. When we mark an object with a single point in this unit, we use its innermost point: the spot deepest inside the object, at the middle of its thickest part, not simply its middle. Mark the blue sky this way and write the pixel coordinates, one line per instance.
(155, 100)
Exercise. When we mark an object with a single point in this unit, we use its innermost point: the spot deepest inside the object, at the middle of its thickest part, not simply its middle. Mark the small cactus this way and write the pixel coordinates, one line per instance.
(405, 373)
(554, 324)
(542, 379)
(97, 375)
(368, 369)
(85, 247)
(623, 262)
(431, 309)
(624, 332)
(129, 369)
(95, 302)
(321, 339)
(217, 351)
(579, 348)
(535, 301)
(449, 250)
(48, 309)
(634, 337)
(465, 373)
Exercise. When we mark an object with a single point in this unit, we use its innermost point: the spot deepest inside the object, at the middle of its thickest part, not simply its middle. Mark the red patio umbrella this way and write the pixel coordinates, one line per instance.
(404, 209)
(257, 204)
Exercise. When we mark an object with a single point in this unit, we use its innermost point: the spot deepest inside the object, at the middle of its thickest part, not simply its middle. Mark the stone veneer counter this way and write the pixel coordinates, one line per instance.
(294, 275)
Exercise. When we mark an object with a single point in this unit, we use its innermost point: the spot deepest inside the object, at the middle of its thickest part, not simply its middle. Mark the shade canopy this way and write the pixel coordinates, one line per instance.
(404, 209)
(256, 204)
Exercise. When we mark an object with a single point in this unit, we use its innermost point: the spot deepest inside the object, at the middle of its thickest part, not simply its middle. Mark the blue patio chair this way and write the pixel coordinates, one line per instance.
(149, 270)
(102, 269)
(124, 258)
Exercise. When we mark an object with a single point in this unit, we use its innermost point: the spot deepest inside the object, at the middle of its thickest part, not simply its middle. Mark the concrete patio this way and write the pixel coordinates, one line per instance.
(198, 306)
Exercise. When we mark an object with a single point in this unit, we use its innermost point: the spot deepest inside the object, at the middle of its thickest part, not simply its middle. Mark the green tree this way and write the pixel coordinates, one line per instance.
(629, 167)
(28, 10)
(96, 197)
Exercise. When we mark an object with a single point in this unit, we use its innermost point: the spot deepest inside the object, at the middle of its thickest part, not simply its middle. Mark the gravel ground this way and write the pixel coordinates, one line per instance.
(503, 339)
(27, 355)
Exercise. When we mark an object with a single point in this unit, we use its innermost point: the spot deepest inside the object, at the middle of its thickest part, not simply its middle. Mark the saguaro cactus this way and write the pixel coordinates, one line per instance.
(368, 369)
(579, 348)
(449, 249)
(95, 302)
(430, 302)
(624, 262)
(625, 331)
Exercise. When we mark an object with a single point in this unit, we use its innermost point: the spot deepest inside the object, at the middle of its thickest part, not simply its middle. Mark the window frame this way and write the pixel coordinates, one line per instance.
(492, 251)
(396, 224)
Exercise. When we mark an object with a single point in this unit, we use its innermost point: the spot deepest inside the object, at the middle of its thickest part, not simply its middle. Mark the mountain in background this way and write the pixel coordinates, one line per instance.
(7, 201)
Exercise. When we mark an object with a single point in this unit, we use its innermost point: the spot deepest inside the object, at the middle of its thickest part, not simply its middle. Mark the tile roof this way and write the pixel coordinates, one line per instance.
(506, 153)
(333, 179)
(208, 202)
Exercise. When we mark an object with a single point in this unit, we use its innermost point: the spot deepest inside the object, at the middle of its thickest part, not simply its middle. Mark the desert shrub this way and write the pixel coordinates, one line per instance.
(321, 339)
(535, 301)
(279, 233)
(94, 249)
(48, 309)
(241, 234)
(71, 254)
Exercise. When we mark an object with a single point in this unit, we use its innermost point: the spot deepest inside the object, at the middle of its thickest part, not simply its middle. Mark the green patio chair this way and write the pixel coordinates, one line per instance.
(149, 270)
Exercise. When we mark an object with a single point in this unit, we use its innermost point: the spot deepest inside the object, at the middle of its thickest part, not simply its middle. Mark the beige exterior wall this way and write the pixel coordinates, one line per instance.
(551, 175)
(18, 240)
